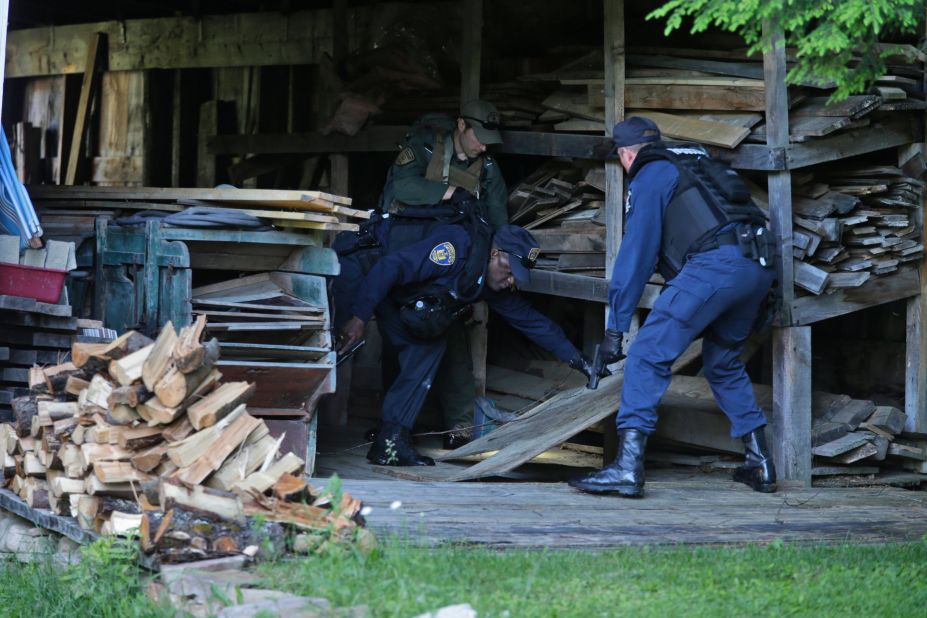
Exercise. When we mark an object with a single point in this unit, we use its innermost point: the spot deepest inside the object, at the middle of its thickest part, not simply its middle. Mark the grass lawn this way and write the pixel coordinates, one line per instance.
(400, 580)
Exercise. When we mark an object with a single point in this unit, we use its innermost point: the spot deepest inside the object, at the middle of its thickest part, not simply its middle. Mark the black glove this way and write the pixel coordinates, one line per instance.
(583, 364)
(610, 349)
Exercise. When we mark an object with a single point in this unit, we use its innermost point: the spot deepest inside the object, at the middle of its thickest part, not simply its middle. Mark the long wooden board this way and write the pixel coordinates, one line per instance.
(170, 194)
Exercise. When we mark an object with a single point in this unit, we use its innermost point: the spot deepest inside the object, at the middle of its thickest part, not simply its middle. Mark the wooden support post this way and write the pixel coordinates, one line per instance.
(471, 50)
(791, 417)
(176, 115)
(479, 342)
(95, 54)
(791, 345)
(614, 112)
(205, 160)
(4, 21)
(27, 140)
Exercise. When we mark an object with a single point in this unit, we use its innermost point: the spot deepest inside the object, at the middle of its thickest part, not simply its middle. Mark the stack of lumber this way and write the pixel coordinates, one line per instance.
(263, 308)
(563, 206)
(284, 209)
(143, 435)
(30, 332)
(717, 97)
(852, 223)
(859, 437)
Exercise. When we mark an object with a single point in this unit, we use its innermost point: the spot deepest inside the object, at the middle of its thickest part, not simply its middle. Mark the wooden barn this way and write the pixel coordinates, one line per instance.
(129, 122)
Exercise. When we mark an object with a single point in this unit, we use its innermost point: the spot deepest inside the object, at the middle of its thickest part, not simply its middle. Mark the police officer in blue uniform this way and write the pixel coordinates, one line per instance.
(444, 160)
(694, 218)
(417, 293)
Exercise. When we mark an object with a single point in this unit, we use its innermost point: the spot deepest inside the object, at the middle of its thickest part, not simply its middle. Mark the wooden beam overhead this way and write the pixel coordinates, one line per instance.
(245, 39)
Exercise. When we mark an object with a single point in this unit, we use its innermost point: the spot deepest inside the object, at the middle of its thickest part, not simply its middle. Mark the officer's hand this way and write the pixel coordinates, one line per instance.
(352, 333)
(583, 364)
(610, 348)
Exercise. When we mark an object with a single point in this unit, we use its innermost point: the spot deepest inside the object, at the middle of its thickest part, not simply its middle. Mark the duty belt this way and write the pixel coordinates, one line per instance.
(724, 238)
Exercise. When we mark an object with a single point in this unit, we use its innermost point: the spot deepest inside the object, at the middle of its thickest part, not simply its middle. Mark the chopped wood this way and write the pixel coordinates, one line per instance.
(83, 353)
(888, 419)
(863, 451)
(148, 460)
(188, 353)
(118, 472)
(126, 344)
(840, 445)
(57, 410)
(130, 395)
(121, 414)
(139, 437)
(219, 450)
(158, 361)
(120, 523)
(38, 382)
(237, 468)
(260, 482)
(221, 504)
(186, 451)
(290, 488)
(75, 385)
(95, 487)
(176, 385)
(211, 409)
(128, 369)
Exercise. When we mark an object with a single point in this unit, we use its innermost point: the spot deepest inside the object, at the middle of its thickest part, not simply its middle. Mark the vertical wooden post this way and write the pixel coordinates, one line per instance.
(479, 342)
(614, 112)
(95, 50)
(206, 161)
(338, 174)
(791, 414)
(471, 50)
(176, 124)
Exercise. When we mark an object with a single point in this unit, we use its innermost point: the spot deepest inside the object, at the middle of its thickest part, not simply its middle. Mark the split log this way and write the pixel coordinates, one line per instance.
(125, 345)
(95, 487)
(221, 504)
(75, 385)
(211, 409)
(38, 383)
(120, 523)
(186, 451)
(90, 355)
(178, 430)
(148, 460)
(259, 482)
(188, 353)
(57, 410)
(121, 414)
(219, 450)
(130, 395)
(159, 359)
(253, 454)
(139, 437)
(128, 369)
(94, 398)
(56, 377)
(177, 385)
(24, 408)
(118, 472)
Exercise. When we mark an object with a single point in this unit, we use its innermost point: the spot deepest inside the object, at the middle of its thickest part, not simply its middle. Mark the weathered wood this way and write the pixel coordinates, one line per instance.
(791, 410)
(841, 445)
(96, 50)
(223, 505)
(696, 130)
(876, 291)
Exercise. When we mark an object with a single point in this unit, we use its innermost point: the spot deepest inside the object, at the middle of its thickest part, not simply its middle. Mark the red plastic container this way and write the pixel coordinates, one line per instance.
(42, 284)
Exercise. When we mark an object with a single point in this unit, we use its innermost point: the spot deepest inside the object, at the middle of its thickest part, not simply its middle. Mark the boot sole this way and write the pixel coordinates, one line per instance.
(624, 492)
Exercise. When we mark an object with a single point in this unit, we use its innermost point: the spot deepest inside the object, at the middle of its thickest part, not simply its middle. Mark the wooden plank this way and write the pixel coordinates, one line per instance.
(265, 197)
(96, 50)
(696, 130)
(876, 291)
(851, 107)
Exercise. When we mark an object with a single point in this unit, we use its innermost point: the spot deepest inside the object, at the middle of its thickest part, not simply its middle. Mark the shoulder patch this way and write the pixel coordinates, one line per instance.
(407, 155)
(444, 254)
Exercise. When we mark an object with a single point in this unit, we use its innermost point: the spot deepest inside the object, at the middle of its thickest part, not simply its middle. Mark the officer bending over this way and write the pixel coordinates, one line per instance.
(417, 293)
(444, 160)
(694, 218)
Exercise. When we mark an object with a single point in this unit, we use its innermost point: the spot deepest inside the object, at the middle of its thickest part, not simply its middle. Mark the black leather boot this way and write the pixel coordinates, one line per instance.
(758, 470)
(625, 475)
(393, 447)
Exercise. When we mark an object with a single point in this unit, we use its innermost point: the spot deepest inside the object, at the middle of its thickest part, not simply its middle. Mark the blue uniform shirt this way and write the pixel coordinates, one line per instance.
(649, 193)
(439, 258)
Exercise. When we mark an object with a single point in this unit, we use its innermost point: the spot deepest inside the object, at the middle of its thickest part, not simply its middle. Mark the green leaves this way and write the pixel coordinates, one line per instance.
(830, 42)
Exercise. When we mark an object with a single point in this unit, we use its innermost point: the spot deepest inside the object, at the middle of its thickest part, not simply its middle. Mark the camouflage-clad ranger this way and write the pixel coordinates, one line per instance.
(443, 159)
(440, 156)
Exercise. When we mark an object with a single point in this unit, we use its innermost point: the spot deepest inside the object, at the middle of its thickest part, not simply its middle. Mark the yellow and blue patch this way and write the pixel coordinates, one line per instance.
(444, 254)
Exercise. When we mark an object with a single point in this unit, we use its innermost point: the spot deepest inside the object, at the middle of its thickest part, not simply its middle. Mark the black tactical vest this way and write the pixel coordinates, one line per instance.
(709, 196)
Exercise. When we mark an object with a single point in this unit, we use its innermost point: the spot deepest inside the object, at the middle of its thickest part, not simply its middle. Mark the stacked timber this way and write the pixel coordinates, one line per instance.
(30, 332)
(143, 435)
(859, 437)
(564, 207)
(291, 210)
(853, 223)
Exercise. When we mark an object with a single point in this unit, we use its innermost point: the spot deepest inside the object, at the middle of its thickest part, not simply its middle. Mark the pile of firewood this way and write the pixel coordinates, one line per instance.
(142, 435)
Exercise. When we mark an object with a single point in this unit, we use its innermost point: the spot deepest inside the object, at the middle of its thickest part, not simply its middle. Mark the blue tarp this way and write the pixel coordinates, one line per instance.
(17, 216)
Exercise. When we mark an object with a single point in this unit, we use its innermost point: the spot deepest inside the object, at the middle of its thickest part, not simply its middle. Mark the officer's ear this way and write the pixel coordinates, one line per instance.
(461, 125)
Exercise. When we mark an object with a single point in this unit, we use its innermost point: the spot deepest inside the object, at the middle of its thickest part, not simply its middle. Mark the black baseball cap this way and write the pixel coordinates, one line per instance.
(634, 130)
(522, 247)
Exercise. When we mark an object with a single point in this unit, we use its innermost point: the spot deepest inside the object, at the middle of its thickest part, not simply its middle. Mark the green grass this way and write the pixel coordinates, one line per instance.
(775, 579)
(400, 580)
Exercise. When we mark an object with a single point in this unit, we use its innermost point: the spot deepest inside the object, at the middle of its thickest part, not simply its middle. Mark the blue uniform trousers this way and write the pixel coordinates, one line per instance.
(718, 292)
(418, 360)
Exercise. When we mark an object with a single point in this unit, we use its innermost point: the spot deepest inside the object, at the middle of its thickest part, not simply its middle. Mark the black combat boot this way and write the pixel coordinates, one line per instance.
(625, 475)
(758, 470)
(393, 447)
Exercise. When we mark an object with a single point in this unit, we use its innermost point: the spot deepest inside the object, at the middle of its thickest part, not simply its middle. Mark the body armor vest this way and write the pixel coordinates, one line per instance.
(709, 197)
